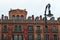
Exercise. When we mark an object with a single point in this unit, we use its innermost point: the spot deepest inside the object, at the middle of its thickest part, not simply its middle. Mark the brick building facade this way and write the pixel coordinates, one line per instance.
(18, 27)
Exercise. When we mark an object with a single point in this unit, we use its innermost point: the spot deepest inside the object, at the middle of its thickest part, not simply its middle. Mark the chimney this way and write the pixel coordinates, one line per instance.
(2, 16)
(40, 17)
(32, 17)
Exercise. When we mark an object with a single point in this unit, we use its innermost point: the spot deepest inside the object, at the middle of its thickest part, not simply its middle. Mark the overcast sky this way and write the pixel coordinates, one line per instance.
(33, 7)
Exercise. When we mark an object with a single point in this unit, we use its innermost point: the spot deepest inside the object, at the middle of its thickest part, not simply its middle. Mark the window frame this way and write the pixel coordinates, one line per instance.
(46, 29)
(38, 36)
(6, 29)
(30, 36)
(16, 28)
(54, 29)
(46, 37)
(30, 28)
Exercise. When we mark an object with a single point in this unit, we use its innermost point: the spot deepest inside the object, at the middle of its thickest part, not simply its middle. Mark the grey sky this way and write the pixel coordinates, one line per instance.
(34, 7)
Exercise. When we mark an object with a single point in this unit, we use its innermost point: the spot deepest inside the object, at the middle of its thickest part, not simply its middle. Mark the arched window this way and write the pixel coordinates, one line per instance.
(5, 28)
(13, 17)
(22, 17)
(17, 17)
(54, 29)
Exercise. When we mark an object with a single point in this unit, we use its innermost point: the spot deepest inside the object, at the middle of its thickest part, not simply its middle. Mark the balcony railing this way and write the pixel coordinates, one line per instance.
(55, 31)
(46, 31)
(30, 31)
(38, 31)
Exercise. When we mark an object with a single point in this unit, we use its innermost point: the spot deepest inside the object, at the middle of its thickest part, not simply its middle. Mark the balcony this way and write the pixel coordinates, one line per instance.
(55, 31)
(30, 31)
(38, 31)
(5, 31)
(46, 31)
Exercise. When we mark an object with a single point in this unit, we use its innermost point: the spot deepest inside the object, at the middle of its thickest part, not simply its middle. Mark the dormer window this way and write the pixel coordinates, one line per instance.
(29, 18)
(37, 18)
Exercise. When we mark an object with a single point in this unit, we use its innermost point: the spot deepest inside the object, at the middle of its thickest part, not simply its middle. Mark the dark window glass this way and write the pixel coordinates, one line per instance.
(46, 37)
(38, 37)
(55, 37)
(5, 28)
(4, 37)
(46, 29)
(37, 18)
(30, 28)
(22, 17)
(20, 28)
(12, 37)
(38, 28)
(16, 28)
(20, 37)
(17, 17)
(13, 17)
(15, 37)
(30, 37)
(54, 29)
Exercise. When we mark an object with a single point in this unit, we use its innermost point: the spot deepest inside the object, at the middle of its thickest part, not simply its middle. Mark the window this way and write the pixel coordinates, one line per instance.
(20, 37)
(54, 29)
(38, 29)
(13, 17)
(30, 37)
(37, 18)
(30, 28)
(17, 37)
(5, 28)
(12, 37)
(46, 29)
(4, 37)
(22, 17)
(29, 18)
(16, 28)
(55, 37)
(38, 37)
(20, 28)
(17, 17)
(46, 37)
